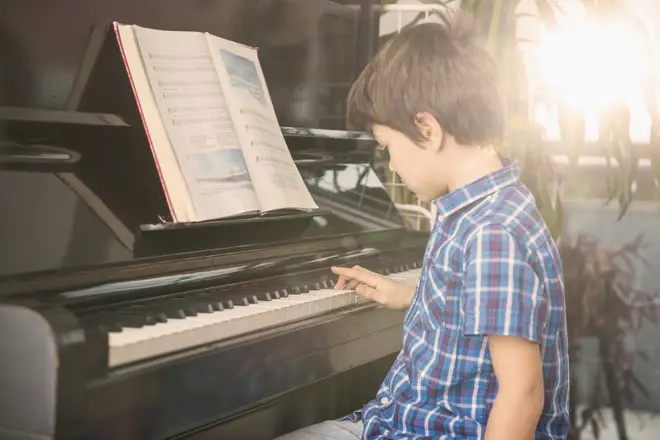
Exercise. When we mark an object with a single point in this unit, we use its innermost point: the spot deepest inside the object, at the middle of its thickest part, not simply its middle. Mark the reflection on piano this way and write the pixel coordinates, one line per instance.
(117, 325)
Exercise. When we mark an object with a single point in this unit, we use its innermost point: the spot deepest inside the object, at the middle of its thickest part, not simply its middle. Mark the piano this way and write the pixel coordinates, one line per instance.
(116, 323)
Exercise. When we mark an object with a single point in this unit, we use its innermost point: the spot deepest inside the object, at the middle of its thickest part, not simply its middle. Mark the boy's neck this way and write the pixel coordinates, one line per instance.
(472, 164)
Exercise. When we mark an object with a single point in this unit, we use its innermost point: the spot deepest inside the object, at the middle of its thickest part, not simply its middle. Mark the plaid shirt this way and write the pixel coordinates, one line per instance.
(490, 268)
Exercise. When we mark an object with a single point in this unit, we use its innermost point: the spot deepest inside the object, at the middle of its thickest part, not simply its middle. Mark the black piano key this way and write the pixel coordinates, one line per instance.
(235, 296)
(204, 308)
(143, 310)
(211, 304)
(265, 297)
(167, 309)
(295, 290)
(195, 305)
(304, 288)
(210, 299)
(128, 321)
(284, 293)
(160, 317)
(189, 311)
(110, 328)
(105, 322)
(135, 317)
(217, 306)
(172, 312)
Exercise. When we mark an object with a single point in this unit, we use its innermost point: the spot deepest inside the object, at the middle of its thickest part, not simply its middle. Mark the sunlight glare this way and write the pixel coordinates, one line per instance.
(592, 65)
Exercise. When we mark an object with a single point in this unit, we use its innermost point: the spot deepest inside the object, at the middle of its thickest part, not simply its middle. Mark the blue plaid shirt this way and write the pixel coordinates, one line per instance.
(490, 268)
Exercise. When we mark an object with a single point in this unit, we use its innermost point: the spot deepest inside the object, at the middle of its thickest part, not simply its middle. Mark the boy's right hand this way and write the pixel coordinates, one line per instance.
(375, 287)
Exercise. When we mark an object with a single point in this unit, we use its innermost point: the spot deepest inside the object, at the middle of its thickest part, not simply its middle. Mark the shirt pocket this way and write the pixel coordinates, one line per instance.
(440, 297)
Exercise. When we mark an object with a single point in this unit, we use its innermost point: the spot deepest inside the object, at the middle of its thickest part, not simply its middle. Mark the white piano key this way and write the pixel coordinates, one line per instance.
(408, 277)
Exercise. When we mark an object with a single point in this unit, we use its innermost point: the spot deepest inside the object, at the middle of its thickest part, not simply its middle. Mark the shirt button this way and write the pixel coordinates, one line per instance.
(384, 400)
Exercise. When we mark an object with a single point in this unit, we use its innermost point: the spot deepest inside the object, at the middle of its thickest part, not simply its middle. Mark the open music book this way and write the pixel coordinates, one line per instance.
(211, 125)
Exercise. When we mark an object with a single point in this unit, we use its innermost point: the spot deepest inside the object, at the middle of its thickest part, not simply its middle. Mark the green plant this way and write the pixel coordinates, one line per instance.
(603, 303)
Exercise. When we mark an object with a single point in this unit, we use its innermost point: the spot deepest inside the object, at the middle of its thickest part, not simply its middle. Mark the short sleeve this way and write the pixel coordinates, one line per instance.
(502, 294)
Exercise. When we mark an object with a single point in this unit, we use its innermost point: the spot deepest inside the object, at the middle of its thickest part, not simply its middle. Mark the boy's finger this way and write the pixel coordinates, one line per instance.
(344, 278)
(341, 281)
(351, 284)
(357, 273)
(344, 283)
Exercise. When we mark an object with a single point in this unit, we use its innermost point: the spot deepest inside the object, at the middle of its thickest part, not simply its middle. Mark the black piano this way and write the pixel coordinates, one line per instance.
(116, 323)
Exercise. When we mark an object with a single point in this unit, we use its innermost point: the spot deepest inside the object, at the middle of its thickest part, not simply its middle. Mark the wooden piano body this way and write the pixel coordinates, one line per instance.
(97, 297)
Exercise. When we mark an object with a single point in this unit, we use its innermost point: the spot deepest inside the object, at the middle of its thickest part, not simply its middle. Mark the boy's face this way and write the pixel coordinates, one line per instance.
(420, 167)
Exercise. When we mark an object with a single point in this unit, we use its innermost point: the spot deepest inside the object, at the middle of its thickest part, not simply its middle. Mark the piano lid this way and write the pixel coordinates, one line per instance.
(89, 217)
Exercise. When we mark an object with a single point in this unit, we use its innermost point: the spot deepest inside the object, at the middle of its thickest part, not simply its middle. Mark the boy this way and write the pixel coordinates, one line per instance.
(484, 346)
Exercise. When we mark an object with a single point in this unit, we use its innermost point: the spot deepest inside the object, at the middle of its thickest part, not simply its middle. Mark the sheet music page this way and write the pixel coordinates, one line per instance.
(198, 122)
(275, 176)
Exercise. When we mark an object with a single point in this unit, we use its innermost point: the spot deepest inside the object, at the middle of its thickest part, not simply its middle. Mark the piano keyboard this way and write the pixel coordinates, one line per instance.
(213, 324)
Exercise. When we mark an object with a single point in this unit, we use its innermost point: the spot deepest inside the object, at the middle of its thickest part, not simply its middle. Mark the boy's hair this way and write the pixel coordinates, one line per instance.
(436, 68)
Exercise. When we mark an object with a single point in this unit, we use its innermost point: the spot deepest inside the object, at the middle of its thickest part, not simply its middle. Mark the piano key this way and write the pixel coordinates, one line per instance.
(194, 304)
(133, 344)
(408, 277)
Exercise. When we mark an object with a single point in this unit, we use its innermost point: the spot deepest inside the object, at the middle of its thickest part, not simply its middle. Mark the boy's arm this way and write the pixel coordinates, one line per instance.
(503, 299)
(520, 394)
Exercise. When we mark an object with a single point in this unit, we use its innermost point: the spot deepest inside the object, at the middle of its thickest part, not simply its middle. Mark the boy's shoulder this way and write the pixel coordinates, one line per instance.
(511, 210)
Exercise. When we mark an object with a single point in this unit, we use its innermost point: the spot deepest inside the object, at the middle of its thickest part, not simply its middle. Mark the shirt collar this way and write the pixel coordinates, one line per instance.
(483, 187)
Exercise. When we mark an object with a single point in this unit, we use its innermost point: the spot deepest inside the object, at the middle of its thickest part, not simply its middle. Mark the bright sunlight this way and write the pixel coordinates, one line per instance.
(592, 65)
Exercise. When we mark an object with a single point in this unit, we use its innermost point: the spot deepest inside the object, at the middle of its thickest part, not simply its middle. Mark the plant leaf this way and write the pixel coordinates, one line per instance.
(494, 26)
(655, 149)
(595, 429)
(638, 384)
(546, 12)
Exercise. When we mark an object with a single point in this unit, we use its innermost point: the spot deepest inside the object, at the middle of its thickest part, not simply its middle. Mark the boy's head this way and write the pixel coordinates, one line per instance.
(432, 98)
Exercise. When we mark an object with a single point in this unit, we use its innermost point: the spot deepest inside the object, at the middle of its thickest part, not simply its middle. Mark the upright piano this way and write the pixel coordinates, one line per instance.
(116, 323)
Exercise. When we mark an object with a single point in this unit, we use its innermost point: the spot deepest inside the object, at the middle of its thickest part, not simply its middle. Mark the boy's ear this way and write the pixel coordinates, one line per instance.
(430, 129)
